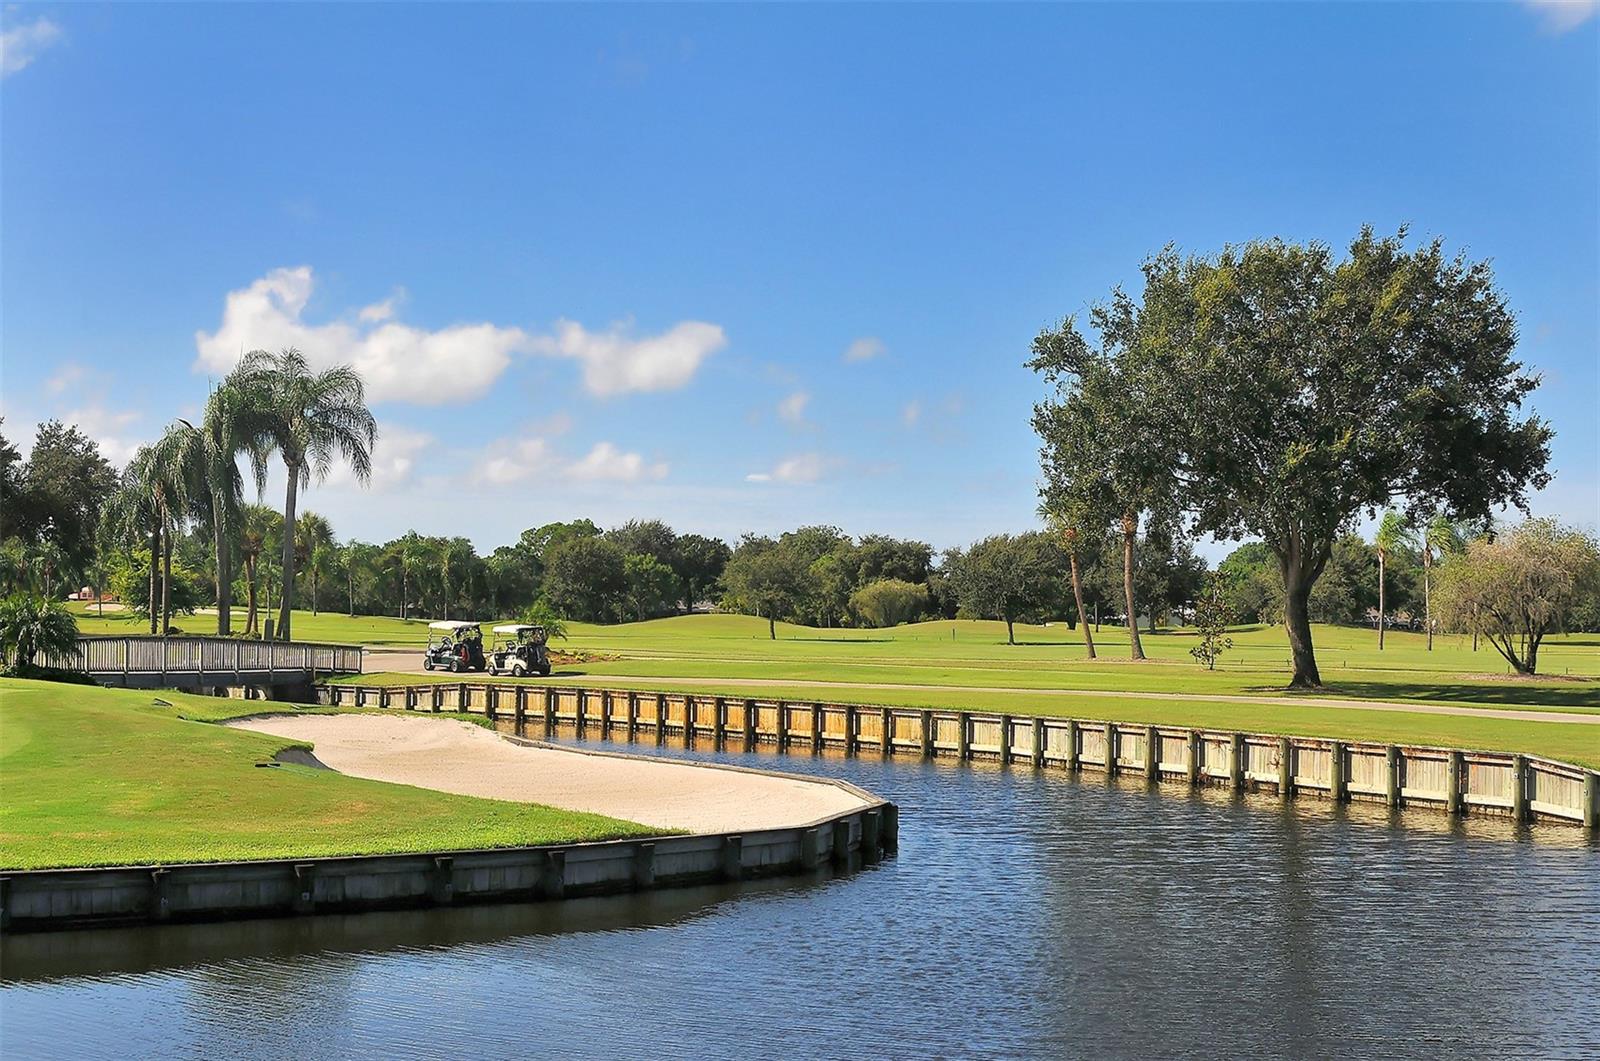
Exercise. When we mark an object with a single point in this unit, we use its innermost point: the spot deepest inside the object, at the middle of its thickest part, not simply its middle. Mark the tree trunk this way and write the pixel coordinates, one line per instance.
(250, 593)
(772, 626)
(286, 603)
(166, 582)
(224, 575)
(1427, 592)
(1297, 622)
(1381, 567)
(1130, 527)
(313, 591)
(1011, 638)
(155, 573)
(350, 576)
(1077, 596)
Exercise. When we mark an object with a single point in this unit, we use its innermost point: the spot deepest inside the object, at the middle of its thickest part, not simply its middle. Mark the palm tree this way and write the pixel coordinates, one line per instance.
(234, 423)
(32, 624)
(405, 554)
(314, 417)
(1392, 534)
(257, 524)
(314, 547)
(1071, 536)
(1445, 535)
(159, 471)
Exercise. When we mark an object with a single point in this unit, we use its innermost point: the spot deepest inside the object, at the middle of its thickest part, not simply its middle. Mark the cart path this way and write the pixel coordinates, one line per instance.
(452, 756)
(408, 662)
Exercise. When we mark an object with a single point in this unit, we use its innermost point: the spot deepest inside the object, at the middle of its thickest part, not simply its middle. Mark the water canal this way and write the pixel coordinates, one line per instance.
(1027, 913)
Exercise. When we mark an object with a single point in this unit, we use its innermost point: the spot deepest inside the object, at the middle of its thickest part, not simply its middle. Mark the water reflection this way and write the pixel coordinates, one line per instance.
(1027, 913)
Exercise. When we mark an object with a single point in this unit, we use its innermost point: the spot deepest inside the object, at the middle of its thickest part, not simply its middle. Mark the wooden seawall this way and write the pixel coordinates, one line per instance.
(1525, 788)
(39, 900)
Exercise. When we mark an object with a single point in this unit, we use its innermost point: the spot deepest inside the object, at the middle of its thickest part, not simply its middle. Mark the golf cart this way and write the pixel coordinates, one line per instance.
(453, 645)
(518, 650)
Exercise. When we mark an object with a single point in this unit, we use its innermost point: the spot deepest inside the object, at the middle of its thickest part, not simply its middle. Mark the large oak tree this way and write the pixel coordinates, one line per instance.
(1293, 391)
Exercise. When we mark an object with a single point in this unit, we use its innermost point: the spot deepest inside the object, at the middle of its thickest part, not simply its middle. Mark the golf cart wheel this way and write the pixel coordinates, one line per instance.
(544, 670)
(493, 673)
(518, 670)
(427, 664)
(455, 666)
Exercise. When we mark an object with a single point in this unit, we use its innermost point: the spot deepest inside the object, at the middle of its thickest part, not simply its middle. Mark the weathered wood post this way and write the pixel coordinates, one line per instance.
(1111, 748)
(750, 735)
(491, 702)
(1591, 800)
(816, 728)
(644, 865)
(1236, 761)
(782, 725)
(1038, 742)
(1391, 779)
(927, 734)
(1072, 744)
(719, 723)
(1452, 783)
(1005, 740)
(870, 827)
(841, 842)
(463, 698)
(1285, 767)
(688, 720)
(963, 736)
(732, 857)
(1338, 773)
(1519, 788)
(605, 712)
(850, 722)
(886, 745)
(549, 711)
(522, 708)
(437, 699)
(581, 711)
(661, 718)
(633, 716)
(1152, 755)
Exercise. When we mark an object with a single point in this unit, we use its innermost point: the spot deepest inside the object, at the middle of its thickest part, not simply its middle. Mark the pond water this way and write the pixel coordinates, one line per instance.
(1027, 913)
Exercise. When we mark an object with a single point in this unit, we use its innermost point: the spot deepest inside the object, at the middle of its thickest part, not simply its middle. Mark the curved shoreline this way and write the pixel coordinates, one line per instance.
(466, 759)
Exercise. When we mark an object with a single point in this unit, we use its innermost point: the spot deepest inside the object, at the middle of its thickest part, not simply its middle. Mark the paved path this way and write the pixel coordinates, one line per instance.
(406, 662)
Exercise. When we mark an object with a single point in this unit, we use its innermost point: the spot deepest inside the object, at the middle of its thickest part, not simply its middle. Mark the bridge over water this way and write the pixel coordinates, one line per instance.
(209, 662)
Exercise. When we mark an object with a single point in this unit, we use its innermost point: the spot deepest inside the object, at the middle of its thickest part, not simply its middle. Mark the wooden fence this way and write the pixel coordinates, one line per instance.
(207, 660)
(1523, 787)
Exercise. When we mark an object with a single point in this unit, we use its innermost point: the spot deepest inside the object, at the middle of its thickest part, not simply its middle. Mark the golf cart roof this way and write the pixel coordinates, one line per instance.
(451, 624)
(516, 628)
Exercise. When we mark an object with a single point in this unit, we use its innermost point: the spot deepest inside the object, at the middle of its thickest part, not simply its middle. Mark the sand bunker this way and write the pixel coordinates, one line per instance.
(459, 757)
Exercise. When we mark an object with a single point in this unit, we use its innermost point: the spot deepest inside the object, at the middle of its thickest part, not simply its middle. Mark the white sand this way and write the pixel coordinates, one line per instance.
(459, 757)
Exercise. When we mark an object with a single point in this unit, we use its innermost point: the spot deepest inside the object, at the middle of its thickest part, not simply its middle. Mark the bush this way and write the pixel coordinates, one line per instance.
(889, 602)
(30, 626)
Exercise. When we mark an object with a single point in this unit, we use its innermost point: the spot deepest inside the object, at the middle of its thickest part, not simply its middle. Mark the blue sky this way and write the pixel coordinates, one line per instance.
(739, 267)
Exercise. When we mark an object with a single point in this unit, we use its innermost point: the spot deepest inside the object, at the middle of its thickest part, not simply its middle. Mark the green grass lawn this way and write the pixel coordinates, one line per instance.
(95, 777)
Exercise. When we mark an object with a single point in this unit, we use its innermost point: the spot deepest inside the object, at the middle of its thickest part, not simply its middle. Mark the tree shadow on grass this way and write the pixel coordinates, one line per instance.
(1572, 692)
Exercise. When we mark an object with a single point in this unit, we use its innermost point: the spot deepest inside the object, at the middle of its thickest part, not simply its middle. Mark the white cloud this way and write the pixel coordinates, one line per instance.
(457, 363)
(515, 460)
(793, 408)
(397, 361)
(68, 376)
(864, 349)
(805, 468)
(615, 363)
(1559, 16)
(111, 430)
(557, 423)
(606, 463)
(21, 45)
(394, 459)
(911, 412)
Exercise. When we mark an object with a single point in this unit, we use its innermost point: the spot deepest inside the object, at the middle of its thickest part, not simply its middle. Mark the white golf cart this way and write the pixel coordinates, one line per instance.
(519, 649)
(454, 645)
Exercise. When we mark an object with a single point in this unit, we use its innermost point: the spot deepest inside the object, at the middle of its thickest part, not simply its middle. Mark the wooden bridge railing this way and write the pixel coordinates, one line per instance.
(118, 655)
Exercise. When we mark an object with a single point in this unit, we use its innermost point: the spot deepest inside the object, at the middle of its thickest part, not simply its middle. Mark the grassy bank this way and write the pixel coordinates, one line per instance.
(95, 777)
